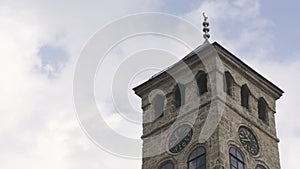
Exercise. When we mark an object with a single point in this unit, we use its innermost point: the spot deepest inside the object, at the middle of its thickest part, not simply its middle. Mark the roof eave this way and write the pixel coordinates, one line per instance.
(259, 77)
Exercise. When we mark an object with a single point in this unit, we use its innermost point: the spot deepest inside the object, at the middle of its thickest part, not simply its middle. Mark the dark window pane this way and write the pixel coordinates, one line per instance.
(158, 105)
(202, 83)
(240, 165)
(260, 167)
(202, 160)
(232, 167)
(179, 95)
(197, 159)
(239, 156)
(228, 83)
(192, 165)
(233, 162)
(199, 151)
(236, 159)
(245, 93)
(232, 151)
(167, 165)
(262, 109)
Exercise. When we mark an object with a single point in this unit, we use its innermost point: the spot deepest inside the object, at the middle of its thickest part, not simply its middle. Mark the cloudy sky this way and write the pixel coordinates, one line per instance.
(41, 41)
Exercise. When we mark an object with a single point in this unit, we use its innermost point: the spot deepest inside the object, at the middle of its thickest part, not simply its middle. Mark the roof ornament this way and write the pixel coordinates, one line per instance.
(205, 27)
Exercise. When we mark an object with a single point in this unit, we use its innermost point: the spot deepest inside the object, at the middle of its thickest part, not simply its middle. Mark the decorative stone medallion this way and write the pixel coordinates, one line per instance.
(180, 138)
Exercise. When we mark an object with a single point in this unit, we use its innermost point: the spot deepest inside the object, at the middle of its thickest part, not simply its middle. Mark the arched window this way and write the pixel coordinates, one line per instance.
(236, 159)
(158, 105)
(262, 109)
(197, 158)
(245, 93)
(202, 82)
(260, 167)
(228, 83)
(179, 95)
(167, 165)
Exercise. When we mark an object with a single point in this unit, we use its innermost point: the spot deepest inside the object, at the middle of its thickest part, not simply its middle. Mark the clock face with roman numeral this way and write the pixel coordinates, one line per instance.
(248, 140)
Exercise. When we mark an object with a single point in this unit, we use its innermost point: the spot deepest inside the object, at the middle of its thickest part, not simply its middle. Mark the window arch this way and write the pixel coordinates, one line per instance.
(260, 167)
(197, 158)
(236, 159)
(202, 82)
(228, 83)
(245, 94)
(262, 109)
(158, 105)
(179, 95)
(167, 165)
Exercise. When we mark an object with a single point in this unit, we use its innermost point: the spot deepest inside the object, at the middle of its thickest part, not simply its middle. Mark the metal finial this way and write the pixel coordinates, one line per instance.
(205, 27)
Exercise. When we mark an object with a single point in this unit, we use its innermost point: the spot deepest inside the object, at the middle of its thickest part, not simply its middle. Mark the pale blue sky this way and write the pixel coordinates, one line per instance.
(284, 15)
(55, 56)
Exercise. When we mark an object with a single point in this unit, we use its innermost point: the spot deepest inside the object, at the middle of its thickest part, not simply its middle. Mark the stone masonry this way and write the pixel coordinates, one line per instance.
(214, 116)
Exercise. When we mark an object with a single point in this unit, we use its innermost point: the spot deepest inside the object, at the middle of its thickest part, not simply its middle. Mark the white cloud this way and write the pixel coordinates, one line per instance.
(238, 25)
(38, 125)
(285, 75)
(242, 29)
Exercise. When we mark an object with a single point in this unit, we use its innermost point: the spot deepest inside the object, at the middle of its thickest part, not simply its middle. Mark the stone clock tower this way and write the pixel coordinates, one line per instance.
(209, 111)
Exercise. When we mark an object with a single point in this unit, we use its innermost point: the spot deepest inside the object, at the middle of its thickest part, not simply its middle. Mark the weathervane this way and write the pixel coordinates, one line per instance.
(205, 27)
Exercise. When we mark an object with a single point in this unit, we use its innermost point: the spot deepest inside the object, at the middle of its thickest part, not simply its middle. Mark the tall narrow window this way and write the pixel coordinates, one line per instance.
(228, 83)
(236, 159)
(245, 94)
(260, 167)
(179, 95)
(167, 165)
(197, 158)
(262, 109)
(158, 105)
(202, 82)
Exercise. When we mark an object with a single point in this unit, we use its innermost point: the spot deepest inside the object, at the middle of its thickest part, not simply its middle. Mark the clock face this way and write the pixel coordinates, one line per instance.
(248, 140)
(180, 138)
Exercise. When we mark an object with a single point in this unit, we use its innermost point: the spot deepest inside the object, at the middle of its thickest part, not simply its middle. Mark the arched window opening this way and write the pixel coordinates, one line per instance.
(262, 109)
(260, 167)
(179, 95)
(236, 159)
(167, 165)
(228, 83)
(197, 158)
(245, 94)
(158, 105)
(202, 82)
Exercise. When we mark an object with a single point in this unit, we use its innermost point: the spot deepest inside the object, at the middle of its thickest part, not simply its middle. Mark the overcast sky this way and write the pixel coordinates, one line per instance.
(41, 41)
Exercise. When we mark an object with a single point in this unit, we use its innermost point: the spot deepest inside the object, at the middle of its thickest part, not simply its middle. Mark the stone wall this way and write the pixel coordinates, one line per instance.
(214, 105)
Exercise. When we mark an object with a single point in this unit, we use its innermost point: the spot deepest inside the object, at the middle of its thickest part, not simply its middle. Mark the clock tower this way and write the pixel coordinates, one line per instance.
(209, 110)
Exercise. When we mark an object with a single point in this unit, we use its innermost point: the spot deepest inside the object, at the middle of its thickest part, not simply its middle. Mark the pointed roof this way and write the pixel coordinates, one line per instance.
(223, 53)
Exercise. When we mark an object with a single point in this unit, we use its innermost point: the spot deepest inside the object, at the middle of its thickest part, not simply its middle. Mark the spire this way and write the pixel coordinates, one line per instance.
(205, 27)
